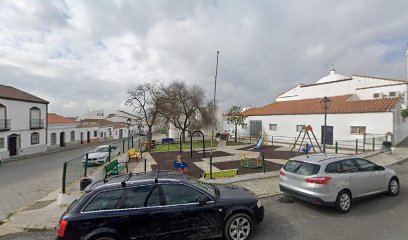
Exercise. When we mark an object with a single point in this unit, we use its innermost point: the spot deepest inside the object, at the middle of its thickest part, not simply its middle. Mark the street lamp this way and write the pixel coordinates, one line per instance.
(129, 122)
(325, 103)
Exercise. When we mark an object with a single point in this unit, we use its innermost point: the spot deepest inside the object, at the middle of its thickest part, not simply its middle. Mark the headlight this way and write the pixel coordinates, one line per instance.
(258, 203)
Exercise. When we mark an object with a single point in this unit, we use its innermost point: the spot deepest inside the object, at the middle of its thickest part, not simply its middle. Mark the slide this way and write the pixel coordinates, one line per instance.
(259, 143)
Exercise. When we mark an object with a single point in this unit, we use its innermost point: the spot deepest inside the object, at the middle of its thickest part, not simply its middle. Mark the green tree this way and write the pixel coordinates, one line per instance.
(235, 117)
(404, 113)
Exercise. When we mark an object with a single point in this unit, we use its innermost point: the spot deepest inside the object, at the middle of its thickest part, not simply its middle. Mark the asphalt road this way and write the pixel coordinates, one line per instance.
(380, 217)
(24, 181)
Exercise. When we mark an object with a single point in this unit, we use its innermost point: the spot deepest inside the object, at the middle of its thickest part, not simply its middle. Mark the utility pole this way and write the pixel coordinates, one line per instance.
(213, 127)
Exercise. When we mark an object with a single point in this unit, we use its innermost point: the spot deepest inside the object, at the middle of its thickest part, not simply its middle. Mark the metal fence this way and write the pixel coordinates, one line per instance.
(76, 169)
(366, 142)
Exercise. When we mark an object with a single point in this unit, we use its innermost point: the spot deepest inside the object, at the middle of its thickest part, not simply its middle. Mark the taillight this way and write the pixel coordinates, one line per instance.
(281, 172)
(319, 180)
(62, 227)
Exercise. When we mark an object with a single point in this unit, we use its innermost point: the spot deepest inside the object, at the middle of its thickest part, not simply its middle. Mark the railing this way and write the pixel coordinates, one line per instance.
(4, 124)
(36, 123)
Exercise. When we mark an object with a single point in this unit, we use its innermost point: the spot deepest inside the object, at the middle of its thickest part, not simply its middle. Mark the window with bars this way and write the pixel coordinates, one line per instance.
(299, 128)
(35, 138)
(72, 136)
(1, 142)
(53, 138)
(273, 127)
(358, 130)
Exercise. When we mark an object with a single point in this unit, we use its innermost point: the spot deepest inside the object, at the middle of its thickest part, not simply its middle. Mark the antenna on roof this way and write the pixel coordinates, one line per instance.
(123, 183)
(156, 180)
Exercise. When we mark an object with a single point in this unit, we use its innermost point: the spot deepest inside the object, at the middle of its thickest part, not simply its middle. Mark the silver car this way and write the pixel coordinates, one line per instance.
(100, 155)
(335, 180)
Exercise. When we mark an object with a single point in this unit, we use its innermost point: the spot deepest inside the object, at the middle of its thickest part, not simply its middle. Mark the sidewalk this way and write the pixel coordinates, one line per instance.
(44, 214)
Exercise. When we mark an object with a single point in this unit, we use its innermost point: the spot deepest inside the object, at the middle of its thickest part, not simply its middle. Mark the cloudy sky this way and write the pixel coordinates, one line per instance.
(84, 55)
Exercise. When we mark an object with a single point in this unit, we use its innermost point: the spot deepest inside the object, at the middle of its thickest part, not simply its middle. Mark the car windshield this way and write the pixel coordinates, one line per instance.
(101, 149)
(206, 187)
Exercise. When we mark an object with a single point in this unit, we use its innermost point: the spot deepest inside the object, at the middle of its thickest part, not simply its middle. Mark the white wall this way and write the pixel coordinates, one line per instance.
(67, 128)
(376, 123)
(96, 114)
(368, 93)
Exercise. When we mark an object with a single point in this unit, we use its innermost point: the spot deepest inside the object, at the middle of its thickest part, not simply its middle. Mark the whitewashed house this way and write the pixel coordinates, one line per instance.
(88, 132)
(122, 117)
(361, 107)
(23, 123)
(96, 114)
(120, 130)
(62, 131)
(105, 128)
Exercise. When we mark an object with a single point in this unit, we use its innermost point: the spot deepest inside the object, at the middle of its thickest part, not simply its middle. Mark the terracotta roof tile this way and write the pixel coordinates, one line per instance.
(57, 119)
(7, 92)
(339, 104)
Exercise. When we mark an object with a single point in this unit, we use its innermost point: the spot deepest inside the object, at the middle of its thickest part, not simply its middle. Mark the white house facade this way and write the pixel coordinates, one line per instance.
(23, 123)
(361, 108)
(62, 131)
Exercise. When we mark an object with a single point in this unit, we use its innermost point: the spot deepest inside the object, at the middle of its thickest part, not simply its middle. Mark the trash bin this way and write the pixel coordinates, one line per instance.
(386, 145)
(84, 183)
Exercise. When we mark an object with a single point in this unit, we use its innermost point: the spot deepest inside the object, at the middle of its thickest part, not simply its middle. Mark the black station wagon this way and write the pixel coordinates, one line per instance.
(160, 205)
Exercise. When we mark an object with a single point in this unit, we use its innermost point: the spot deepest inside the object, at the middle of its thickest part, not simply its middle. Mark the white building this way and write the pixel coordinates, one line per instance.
(362, 107)
(23, 123)
(105, 128)
(96, 114)
(62, 131)
(122, 117)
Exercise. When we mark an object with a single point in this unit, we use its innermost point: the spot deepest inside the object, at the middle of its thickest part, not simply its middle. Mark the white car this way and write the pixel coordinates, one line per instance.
(100, 155)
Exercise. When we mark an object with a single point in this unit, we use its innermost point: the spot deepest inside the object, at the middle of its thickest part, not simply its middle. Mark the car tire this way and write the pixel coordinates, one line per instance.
(238, 227)
(393, 187)
(105, 238)
(343, 201)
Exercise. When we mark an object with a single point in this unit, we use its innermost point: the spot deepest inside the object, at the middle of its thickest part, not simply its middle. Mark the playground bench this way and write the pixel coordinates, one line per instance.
(115, 167)
(133, 154)
(222, 173)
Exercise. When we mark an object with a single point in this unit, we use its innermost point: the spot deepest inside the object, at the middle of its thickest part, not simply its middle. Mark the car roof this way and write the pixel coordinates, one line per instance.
(321, 157)
(135, 179)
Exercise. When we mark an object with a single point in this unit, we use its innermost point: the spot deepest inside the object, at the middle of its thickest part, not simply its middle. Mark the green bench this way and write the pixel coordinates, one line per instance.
(222, 173)
(115, 167)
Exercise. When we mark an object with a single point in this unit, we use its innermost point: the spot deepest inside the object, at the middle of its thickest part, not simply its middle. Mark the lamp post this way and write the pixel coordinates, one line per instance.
(325, 103)
(129, 122)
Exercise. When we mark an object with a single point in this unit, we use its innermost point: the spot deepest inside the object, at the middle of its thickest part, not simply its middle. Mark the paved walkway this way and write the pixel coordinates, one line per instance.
(45, 213)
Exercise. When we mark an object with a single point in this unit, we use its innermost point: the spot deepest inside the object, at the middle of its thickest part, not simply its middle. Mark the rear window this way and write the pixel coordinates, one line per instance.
(301, 168)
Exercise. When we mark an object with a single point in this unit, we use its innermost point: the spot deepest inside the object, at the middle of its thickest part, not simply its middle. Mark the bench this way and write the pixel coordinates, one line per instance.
(134, 154)
(222, 173)
(115, 167)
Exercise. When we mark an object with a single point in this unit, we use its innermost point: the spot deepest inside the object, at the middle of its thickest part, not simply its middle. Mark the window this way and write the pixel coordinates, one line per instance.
(333, 168)
(110, 133)
(244, 126)
(72, 136)
(35, 138)
(101, 134)
(35, 118)
(116, 132)
(301, 168)
(4, 123)
(393, 94)
(95, 133)
(348, 166)
(180, 194)
(105, 201)
(145, 196)
(358, 130)
(53, 138)
(299, 128)
(273, 127)
(1, 142)
(376, 95)
(365, 165)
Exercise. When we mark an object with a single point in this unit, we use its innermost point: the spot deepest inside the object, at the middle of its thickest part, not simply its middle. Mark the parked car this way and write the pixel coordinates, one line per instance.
(336, 180)
(100, 155)
(161, 205)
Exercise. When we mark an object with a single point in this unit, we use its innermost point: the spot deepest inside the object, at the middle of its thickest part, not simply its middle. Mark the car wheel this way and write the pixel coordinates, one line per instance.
(343, 201)
(238, 227)
(393, 187)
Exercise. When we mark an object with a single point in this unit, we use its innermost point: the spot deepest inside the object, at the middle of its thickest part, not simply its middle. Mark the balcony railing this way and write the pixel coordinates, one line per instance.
(4, 124)
(36, 123)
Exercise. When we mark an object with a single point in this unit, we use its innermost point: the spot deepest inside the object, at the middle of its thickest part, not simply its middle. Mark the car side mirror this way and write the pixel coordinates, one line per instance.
(379, 168)
(202, 200)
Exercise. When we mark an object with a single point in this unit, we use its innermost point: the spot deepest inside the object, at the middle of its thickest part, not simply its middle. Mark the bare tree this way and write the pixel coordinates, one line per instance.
(184, 105)
(147, 100)
(235, 117)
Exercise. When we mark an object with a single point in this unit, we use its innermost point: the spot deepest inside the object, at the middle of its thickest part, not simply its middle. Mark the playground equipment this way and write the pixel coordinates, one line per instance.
(262, 140)
(305, 130)
(180, 165)
(248, 160)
